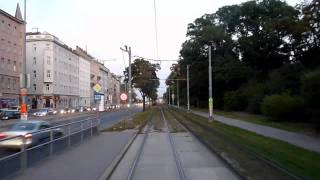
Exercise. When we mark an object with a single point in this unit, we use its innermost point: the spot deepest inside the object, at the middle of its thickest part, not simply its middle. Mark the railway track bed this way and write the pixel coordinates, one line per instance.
(166, 150)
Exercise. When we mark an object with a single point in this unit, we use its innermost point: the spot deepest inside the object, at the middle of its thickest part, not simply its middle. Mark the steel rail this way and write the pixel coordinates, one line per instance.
(181, 172)
(138, 156)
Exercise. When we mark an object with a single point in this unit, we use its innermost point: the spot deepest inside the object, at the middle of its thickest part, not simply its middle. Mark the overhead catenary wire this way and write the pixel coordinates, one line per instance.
(156, 28)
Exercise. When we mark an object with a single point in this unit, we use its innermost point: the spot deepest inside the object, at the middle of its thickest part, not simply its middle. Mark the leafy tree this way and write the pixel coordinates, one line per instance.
(144, 78)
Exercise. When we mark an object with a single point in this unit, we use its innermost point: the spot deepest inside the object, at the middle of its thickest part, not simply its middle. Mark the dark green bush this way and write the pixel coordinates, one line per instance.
(255, 94)
(283, 107)
(234, 100)
(311, 94)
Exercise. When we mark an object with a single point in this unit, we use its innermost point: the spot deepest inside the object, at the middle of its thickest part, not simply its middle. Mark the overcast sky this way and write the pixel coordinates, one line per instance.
(103, 26)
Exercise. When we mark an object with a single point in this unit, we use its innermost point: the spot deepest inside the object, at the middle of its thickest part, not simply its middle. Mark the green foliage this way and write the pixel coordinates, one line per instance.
(234, 100)
(255, 92)
(311, 94)
(283, 107)
(144, 78)
(286, 79)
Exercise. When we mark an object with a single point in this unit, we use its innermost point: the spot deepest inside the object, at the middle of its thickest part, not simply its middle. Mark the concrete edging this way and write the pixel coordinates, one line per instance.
(110, 169)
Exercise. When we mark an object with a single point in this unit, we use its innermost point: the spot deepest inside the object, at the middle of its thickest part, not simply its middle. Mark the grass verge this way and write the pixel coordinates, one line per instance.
(249, 152)
(138, 121)
(300, 127)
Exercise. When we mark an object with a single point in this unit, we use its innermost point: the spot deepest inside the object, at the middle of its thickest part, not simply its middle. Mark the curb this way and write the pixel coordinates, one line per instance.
(116, 161)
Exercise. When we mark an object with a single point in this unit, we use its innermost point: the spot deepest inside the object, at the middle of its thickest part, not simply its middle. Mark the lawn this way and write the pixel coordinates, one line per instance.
(305, 128)
(244, 150)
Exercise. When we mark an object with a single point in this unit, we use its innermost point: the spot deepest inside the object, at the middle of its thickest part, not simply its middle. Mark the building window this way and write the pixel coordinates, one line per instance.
(48, 74)
(8, 83)
(47, 87)
(34, 73)
(14, 66)
(9, 62)
(48, 60)
(14, 84)
(34, 60)
(34, 87)
(2, 62)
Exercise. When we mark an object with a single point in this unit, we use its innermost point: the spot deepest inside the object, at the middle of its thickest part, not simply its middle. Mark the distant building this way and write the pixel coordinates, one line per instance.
(95, 77)
(114, 89)
(84, 77)
(54, 71)
(11, 56)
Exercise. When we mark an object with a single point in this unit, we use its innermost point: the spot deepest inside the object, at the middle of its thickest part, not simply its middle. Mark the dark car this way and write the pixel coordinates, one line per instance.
(29, 130)
(9, 114)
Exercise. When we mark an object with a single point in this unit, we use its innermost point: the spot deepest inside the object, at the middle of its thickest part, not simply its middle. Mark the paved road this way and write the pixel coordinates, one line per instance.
(107, 119)
(304, 141)
(87, 161)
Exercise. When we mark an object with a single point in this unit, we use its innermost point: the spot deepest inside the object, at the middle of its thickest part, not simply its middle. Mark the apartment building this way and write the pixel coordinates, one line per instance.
(11, 56)
(54, 71)
(84, 77)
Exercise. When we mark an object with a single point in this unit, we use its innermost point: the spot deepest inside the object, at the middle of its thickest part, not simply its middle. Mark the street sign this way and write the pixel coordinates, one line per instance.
(97, 96)
(97, 87)
(123, 97)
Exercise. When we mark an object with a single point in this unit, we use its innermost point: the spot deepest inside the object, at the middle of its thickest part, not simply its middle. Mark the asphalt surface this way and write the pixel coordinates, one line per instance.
(87, 161)
(35, 155)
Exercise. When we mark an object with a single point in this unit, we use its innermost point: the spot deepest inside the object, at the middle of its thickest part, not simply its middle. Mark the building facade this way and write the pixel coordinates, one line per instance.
(114, 89)
(84, 77)
(95, 77)
(54, 72)
(11, 57)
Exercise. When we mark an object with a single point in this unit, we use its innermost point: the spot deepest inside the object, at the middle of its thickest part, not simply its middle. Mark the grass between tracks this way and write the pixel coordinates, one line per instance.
(137, 122)
(237, 146)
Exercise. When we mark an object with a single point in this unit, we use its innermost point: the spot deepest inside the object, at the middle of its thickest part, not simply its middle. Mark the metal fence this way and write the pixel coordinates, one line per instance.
(73, 133)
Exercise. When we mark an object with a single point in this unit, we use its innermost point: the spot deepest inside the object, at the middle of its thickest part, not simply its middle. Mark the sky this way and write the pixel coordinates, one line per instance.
(103, 26)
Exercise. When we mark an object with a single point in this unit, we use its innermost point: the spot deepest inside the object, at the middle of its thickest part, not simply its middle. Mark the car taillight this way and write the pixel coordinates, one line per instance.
(2, 136)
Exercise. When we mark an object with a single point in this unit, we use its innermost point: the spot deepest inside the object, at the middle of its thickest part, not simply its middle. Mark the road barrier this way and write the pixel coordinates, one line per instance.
(72, 133)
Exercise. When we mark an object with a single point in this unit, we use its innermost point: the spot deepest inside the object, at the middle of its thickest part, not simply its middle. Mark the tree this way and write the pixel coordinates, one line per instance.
(144, 78)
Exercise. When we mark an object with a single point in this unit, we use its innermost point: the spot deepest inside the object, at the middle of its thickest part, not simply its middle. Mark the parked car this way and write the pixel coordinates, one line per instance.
(6, 114)
(52, 111)
(41, 112)
(28, 129)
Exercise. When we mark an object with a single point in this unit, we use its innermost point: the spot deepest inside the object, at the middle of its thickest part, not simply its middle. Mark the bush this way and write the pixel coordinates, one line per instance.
(283, 107)
(234, 100)
(311, 94)
(255, 94)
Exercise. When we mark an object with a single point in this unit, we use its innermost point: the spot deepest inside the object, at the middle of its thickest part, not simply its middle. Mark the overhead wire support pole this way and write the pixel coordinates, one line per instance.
(210, 119)
(128, 50)
(188, 98)
(23, 75)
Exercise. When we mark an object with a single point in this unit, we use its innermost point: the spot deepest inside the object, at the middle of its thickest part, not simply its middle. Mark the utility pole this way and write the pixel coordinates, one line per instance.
(23, 75)
(210, 88)
(178, 99)
(128, 50)
(169, 96)
(188, 98)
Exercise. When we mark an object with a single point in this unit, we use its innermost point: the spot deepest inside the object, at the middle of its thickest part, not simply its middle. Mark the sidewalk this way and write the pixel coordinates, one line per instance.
(86, 161)
(303, 141)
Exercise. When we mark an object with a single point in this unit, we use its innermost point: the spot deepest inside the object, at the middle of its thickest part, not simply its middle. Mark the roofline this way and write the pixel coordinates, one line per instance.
(11, 17)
